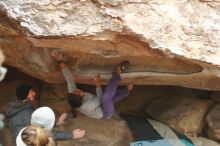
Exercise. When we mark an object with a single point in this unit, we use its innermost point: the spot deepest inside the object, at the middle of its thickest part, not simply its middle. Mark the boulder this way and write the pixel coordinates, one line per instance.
(54, 98)
(185, 114)
(201, 141)
(167, 42)
(213, 121)
(110, 132)
(215, 96)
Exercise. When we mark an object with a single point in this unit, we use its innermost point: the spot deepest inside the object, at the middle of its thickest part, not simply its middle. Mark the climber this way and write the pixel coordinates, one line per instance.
(101, 105)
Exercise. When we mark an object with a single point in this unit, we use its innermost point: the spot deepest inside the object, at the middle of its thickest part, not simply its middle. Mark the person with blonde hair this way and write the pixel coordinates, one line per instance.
(34, 136)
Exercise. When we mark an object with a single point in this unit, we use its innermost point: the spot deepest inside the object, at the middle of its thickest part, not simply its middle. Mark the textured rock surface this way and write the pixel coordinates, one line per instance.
(200, 141)
(215, 96)
(167, 42)
(182, 27)
(213, 120)
(112, 132)
(185, 114)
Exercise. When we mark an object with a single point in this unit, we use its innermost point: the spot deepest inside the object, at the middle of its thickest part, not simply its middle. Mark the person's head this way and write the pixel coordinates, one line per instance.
(25, 91)
(43, 117)
(34, 136)
(75, 100)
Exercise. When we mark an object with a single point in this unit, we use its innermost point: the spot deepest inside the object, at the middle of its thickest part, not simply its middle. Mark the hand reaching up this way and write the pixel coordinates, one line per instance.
(57, 56)
(98, 79)
(78, 133)
(130, 87)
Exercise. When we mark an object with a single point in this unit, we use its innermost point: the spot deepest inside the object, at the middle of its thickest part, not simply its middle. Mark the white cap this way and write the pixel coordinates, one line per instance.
(43, 117)
(19, 141)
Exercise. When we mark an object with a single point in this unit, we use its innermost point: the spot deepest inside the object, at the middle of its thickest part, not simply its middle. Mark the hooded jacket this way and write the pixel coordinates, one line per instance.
(19, 114)
(45, 117)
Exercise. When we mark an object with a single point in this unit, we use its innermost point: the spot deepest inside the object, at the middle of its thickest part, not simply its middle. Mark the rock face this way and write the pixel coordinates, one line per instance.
(186, 114)
(213, 121)
(200, 141)
(111, 132)
(167, 42)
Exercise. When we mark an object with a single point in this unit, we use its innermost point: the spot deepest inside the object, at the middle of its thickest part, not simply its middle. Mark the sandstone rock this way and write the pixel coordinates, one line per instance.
(213, 122)
(60, 90)
(56, 100)
(186, 114)
(167, 42)
(200, 141)
(111, 132)
(181, 29)
(215, 96)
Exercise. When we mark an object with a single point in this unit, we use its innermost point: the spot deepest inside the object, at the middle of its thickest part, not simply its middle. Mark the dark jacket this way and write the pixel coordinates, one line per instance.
(61, 135)
(19, 114)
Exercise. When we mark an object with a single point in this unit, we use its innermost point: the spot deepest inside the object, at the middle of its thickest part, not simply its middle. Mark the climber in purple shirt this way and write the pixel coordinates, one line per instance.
(95, 106)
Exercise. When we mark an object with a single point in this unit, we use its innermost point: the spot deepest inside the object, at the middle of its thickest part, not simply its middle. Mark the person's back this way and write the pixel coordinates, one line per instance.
(91, 106)
(19, 113)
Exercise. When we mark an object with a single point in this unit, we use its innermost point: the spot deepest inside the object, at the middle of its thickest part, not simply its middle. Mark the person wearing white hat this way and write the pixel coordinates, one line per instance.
(45, 117)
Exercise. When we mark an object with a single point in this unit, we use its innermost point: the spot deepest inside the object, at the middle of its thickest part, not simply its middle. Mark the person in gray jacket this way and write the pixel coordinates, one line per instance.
(19, 113)
(45, 118)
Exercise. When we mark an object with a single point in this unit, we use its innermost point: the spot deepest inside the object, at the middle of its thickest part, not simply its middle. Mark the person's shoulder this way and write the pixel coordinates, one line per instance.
(29, 105)
(15, 107)
(13, 104)
(88, 95)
